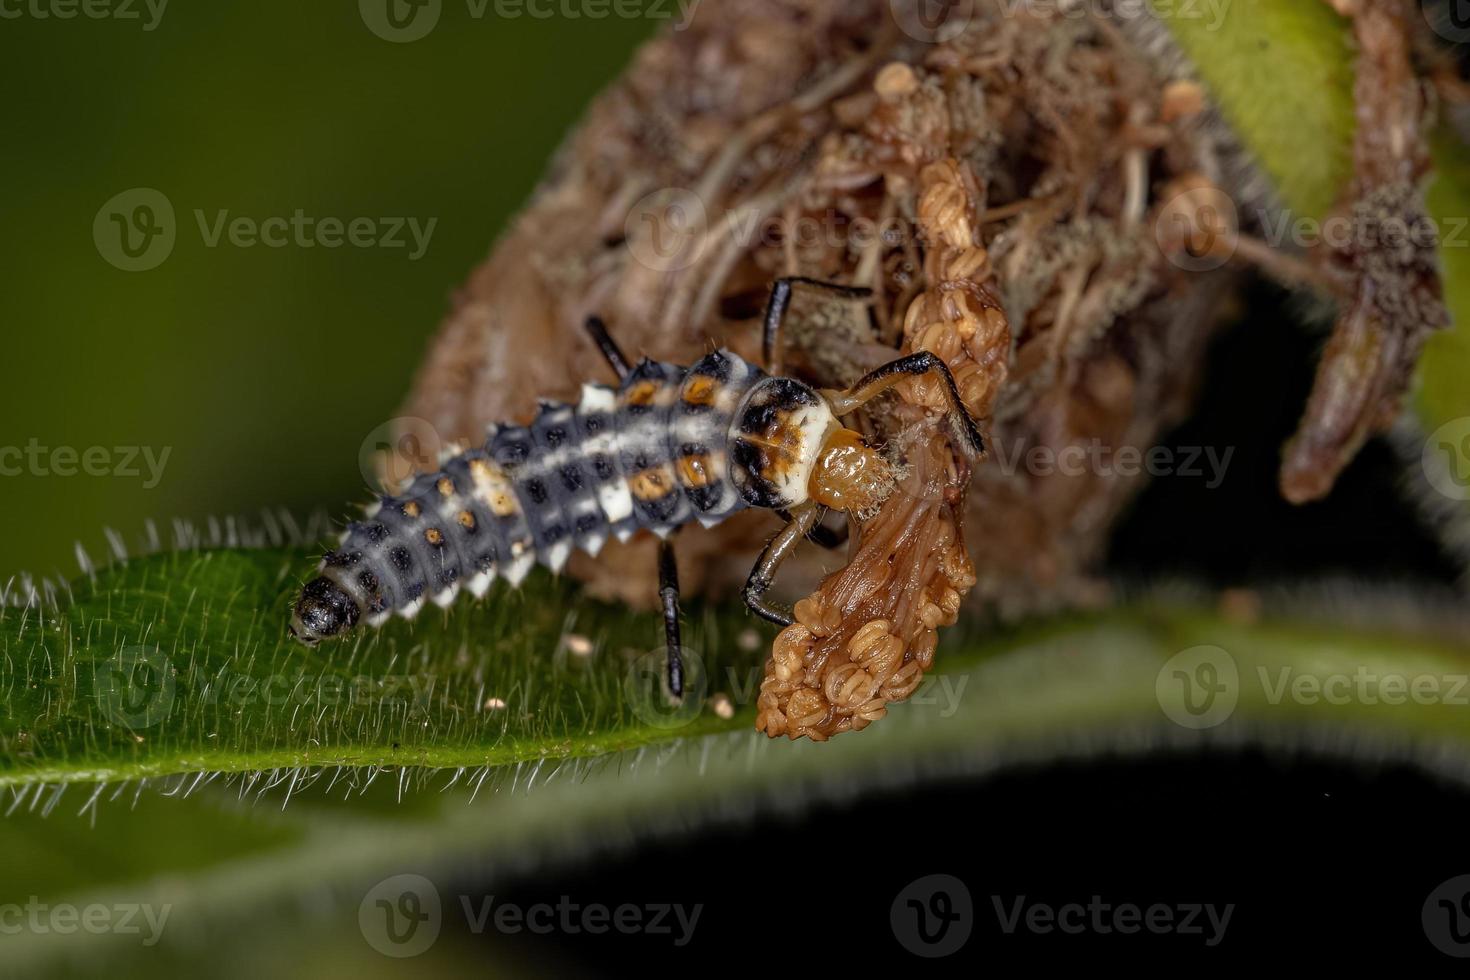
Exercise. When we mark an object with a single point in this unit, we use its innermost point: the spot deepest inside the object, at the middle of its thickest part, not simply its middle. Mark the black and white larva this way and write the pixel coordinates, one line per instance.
(667, 446)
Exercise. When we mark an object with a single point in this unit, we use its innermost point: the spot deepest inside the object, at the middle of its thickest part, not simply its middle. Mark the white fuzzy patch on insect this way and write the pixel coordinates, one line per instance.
(616, 501)
(520, 564)
(479, 584)
(813, 422)
(557, 555)
(445, 598)
(412, 609)
(597, 399)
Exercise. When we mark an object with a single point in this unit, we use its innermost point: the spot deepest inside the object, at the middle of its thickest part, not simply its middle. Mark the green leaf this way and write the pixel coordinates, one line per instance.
(180, 663)
(1443, 394)
(1281, 72)
(1359, 677)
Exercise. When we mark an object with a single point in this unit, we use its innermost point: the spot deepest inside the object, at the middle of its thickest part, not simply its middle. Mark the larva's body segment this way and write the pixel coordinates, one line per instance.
(668, 446)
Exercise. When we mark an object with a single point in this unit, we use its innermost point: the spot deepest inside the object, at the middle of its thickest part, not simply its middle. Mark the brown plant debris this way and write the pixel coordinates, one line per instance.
(1011, 194)
(1385, 273)
(865, 638)
(800, 129)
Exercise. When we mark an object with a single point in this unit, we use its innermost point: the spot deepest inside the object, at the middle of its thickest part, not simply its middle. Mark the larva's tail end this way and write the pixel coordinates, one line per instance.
(323, 610)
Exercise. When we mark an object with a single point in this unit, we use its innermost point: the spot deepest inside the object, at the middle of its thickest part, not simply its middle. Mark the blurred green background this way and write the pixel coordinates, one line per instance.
(259, 369)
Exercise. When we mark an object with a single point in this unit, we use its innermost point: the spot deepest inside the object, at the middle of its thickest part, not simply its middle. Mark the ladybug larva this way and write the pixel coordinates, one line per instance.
(667, 446)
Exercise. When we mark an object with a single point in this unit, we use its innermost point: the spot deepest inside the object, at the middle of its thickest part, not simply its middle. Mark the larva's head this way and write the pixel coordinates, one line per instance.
(850, 475)
(323, 610)
(787, 447)
(775, 438)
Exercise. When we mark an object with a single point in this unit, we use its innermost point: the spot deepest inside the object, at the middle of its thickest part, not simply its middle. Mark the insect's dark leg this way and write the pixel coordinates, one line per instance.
(880, 380)
(597, 330)
(764, 572)
(821, 535)
(668, 593)
(781, 299)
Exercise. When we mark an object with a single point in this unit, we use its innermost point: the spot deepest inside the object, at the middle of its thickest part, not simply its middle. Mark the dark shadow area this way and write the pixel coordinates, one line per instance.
(1259, 374)
(1323, 862)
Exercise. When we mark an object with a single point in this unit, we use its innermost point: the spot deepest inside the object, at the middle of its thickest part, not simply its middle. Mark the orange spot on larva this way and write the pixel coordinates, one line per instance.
(700, 390)
(642, 393)
(466, 520)
(652, 483)
(694, 470)
(411, 509)
(434, 536)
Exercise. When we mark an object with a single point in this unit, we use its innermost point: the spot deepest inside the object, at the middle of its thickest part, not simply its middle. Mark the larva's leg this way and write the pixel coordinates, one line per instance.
(821, 535)
(668, 593)
(881, 379)
(597, 330)
(764, 572)
(781, 299)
